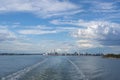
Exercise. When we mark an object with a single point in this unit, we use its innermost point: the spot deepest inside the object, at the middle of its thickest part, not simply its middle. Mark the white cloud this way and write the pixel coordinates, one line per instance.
(85, 44)
(67, 13)
(99, 30)
(41, 29)
(11, 42)
(101, 6)
(38, 32)
(42, 8)
(103, 32)
(79, 23)
(60, 22)
(6, 34)
(104, 7)
(15, 5)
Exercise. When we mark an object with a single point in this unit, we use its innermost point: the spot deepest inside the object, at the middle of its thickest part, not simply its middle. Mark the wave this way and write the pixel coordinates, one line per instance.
(77, 68)
(17, 75)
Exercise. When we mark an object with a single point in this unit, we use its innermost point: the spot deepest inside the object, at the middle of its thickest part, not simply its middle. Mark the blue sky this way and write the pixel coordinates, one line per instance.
(35, 26)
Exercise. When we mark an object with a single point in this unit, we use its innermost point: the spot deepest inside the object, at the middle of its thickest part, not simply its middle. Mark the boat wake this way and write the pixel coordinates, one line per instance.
(17, 75)
(77, 68)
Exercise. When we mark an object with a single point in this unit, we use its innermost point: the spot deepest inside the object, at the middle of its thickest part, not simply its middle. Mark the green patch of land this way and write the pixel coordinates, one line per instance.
(111, 56)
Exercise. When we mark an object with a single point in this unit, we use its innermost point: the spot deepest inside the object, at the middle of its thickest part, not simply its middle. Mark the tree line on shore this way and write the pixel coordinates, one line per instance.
(111, 55)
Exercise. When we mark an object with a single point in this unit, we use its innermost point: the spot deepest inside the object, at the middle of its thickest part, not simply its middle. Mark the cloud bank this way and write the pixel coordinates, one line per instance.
(106, 33)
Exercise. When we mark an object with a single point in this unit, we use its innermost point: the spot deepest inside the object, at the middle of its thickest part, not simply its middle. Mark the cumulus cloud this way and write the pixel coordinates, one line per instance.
(42, 8)
(106, 33)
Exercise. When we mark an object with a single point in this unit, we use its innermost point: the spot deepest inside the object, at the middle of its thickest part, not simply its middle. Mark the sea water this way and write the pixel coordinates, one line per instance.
(36, 67)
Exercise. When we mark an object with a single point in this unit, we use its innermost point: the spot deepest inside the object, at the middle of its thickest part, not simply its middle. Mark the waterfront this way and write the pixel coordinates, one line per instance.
(58, 68)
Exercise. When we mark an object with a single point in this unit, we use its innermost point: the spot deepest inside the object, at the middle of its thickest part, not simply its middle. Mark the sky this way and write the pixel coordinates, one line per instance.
(37, 26)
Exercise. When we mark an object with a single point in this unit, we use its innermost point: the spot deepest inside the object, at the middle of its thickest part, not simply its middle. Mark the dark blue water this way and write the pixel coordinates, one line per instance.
(58, 68)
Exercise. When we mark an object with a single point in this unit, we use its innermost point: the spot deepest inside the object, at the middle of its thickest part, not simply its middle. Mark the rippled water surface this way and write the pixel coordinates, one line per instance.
(58, 68)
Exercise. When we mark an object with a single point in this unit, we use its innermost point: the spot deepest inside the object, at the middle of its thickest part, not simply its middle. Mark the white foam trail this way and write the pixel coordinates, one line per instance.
(77, 68)
(17, 75)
